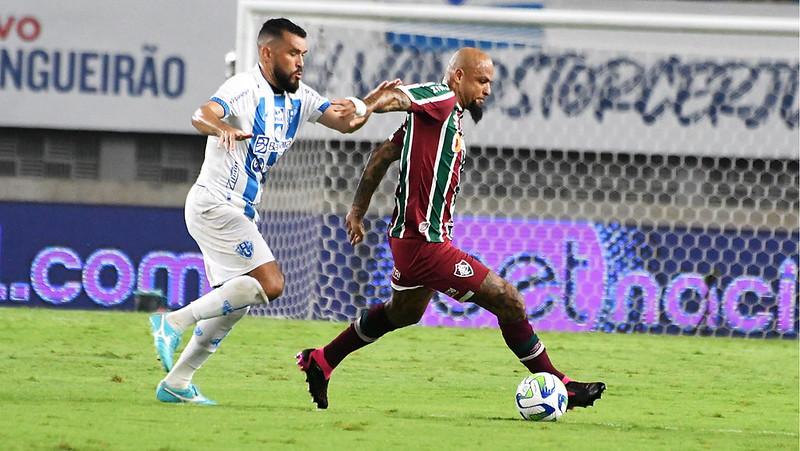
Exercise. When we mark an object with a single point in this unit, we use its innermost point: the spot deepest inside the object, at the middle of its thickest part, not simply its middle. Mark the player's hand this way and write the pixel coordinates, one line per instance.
(355, 226)
(357, 121)
(343, 108)
(229, 135)
(346, 111)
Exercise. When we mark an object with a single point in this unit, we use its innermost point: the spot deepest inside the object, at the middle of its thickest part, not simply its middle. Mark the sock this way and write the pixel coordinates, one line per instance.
(371, 325)
(207, 337)
(521, 339)
(237, 293)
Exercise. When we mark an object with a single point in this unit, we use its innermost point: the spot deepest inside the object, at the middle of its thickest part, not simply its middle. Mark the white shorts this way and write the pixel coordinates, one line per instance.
(230, 242)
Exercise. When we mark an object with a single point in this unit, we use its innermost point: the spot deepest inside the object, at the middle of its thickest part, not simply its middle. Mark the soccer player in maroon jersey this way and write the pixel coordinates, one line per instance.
(430, 148)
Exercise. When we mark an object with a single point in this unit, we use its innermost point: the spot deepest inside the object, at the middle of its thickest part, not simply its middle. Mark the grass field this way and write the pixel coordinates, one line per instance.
(85, 380)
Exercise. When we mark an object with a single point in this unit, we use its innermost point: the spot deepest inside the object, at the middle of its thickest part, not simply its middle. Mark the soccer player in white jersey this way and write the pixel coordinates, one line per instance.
(251, 121)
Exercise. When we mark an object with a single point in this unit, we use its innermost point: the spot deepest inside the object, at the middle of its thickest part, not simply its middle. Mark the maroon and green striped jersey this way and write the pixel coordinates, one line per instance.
(430, 164)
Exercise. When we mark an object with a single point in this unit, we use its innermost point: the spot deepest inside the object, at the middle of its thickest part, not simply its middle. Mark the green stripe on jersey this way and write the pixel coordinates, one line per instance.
(401, 200)
(428, 90)
(441, 177)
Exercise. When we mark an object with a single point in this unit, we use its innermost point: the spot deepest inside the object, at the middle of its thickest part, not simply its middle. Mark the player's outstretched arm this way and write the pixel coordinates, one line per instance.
(350, 114)
(379, 161)
(383, 99)
(208, 121)
(386, 100)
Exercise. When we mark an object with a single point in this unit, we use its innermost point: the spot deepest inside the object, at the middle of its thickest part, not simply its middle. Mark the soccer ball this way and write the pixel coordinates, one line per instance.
(541, 397)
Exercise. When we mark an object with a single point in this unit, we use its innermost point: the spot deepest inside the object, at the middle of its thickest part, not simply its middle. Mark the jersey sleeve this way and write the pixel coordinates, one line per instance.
(434, 100)
(231, 96)
(314, 104)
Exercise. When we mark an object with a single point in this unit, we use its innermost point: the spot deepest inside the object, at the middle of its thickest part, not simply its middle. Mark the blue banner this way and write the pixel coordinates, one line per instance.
(76, 256)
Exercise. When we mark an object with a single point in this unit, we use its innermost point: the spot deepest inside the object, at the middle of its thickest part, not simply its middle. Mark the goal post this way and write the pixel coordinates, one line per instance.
(633, 171)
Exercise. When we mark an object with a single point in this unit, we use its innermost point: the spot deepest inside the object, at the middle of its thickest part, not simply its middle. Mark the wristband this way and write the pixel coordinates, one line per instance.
(361, 107)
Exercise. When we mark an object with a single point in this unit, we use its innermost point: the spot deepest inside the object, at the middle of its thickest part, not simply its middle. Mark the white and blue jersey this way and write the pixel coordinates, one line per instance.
(274, 120)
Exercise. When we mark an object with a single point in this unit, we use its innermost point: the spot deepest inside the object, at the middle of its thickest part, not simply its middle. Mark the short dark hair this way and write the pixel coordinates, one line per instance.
(274, 28)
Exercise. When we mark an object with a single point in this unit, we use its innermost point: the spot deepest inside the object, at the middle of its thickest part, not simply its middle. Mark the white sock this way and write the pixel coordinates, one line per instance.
(206, 339)
(237, 293)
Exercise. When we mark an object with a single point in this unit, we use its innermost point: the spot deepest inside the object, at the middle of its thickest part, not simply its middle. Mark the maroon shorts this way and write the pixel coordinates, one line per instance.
(438, 266)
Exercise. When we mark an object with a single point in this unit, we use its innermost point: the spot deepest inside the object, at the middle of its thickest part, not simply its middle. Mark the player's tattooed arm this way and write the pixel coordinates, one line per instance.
(379, 161)
(386, 100)
(341, 115)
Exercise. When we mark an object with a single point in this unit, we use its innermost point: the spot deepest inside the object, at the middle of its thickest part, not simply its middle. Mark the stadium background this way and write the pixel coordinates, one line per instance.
(624, 181)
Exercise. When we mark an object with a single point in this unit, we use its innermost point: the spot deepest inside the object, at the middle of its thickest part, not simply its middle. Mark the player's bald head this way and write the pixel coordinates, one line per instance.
(468, 59)
(469, 74)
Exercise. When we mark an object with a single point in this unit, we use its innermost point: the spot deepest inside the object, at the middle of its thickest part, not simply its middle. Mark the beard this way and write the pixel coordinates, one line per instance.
(475, 111)
(285, 82)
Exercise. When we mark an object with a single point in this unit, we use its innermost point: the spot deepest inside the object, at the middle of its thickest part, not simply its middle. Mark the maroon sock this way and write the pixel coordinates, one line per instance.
(521, 339)
(372, 325)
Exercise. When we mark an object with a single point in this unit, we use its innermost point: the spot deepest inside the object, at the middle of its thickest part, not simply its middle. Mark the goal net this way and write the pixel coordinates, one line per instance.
(623, 179)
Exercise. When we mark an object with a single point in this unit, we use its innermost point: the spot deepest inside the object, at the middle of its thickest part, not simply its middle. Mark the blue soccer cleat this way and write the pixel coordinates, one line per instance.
(189, 395)
(165, 338)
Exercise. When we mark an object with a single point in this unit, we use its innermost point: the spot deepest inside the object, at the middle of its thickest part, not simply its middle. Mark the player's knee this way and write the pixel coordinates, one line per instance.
(513, 306)
(272, 286)
(495, 291)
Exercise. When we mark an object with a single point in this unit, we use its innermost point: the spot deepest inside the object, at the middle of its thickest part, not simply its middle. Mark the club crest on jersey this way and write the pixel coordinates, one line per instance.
(463, 269)
(458, 143)
(245, 249)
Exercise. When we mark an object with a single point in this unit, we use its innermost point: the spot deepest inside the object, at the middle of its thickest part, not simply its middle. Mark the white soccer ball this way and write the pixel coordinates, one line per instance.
(541, 397)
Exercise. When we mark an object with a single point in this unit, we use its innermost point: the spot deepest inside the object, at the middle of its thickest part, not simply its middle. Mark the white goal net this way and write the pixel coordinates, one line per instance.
(623, 179)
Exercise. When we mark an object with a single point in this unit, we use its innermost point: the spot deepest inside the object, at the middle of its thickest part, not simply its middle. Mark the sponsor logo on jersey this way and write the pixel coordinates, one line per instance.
(235, 98)
(263, 144)
(234, 177)
(266, 152)
(257, 164)
(245, 249)
(463, 269)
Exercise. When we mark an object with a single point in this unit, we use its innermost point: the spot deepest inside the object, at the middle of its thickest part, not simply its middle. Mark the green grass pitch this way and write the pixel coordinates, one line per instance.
(85, 380)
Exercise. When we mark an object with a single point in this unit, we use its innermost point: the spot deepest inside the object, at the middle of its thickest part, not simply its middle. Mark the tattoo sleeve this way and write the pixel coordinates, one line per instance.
(379, 161)
(386, 100)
